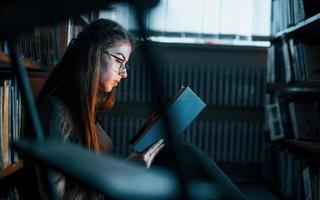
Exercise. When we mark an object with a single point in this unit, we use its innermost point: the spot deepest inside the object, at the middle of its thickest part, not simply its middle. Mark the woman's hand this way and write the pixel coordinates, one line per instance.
(149, 154)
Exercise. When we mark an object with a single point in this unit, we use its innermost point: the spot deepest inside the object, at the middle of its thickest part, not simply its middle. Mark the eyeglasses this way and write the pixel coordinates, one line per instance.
(123, 65)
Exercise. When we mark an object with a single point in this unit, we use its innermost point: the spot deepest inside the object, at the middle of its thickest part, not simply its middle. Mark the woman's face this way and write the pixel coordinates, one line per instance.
(113, 65)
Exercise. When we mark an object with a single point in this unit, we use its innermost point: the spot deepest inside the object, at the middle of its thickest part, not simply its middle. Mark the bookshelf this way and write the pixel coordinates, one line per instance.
(11, 169)
(39, 54)
(5, 59)
(292, 165)
(271, 87)
(304, 146)
(11, 165)
(308, 27)
(40, 49)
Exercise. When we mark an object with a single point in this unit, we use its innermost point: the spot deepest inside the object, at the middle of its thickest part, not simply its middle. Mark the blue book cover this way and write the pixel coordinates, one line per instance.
(182, 110)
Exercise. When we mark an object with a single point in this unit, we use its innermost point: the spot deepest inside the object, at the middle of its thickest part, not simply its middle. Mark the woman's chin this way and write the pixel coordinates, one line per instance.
(107, 90)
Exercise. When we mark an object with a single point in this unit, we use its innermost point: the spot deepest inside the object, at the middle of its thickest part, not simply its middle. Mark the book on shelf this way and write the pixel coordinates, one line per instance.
(305, 120)
(307, 184)
(275, 121)
(78, 23)
(11, 193)
(280, 69)
(314, 180)
(5, 142)
(292, 172)
(286, 13)
(298, 177)
(271, 64)
(4, 46)
(182, 110)
(10, 120)
(73, 30)
(1, 124)
(305, 60)
(293, 60)
(288, 48)
(312, 61)
(298, 59)
(318, 188)
(41, 46)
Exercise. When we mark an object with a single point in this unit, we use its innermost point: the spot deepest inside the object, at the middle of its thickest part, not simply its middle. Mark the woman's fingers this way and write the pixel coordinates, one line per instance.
(153, 148)
(153, 154)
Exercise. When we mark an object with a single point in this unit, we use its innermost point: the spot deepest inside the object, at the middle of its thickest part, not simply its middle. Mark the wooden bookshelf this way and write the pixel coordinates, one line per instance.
(276, 86)
(26, 62)
(292, 67)
(11, 169)
(309, 27)
(305, 146)
(294, 92)
(47, 54)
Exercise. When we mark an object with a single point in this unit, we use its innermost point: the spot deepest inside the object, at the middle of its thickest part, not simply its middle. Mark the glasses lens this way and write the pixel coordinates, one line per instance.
(124, 67)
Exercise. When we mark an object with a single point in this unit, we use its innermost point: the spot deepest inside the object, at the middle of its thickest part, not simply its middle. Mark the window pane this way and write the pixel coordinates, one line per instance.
(184, 16)
(211, 16)
(261, 17)
(157, 19)
(223, 17)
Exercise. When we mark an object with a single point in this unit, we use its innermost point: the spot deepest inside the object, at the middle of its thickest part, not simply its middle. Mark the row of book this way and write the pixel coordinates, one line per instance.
(43, 44)
(298, 176)
(293, 60)
(294, 120)
(40, 45)
(286, 13)
(11, 118)
(217, 85)
(77, 24)
(74, 30)
(9, 194)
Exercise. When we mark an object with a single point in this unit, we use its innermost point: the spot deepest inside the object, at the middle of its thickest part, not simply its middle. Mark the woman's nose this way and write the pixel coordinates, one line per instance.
(123, 73)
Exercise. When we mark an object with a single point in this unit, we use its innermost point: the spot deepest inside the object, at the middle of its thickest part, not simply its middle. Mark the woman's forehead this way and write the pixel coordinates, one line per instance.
(121, 45)
(121, 48)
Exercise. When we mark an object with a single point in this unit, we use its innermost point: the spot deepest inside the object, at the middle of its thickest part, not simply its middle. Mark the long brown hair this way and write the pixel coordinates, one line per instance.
(75, 78)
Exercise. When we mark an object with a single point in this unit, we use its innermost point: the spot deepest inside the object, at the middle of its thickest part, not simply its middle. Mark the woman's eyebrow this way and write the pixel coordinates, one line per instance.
(121, 54)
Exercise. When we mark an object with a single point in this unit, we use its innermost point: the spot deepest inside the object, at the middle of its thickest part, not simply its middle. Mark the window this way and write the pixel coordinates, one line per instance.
(201, 20)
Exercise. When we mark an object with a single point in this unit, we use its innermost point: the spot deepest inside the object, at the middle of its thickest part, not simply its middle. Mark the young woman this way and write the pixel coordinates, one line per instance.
(84, 82)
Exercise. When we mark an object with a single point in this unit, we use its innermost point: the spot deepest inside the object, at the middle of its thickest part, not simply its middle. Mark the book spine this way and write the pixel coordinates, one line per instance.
(16, 114)
(307, 184)
(294, 121)
(6, 124)
(1, 124)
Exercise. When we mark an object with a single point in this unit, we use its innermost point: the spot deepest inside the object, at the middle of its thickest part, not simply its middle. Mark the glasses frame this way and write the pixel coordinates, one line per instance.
(122, 67)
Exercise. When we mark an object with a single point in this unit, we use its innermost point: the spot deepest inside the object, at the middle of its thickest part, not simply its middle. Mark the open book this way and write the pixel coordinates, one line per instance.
(182, 110)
